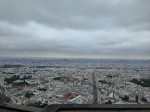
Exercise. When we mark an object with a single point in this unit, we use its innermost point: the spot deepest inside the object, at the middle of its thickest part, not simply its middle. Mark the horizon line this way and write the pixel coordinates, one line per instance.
(104, 58)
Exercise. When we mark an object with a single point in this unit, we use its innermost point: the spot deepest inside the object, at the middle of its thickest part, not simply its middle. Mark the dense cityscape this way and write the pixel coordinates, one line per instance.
(40, 82)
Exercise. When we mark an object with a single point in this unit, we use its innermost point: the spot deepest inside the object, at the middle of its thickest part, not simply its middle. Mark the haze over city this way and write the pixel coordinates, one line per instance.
(91, 52)
(75, 28)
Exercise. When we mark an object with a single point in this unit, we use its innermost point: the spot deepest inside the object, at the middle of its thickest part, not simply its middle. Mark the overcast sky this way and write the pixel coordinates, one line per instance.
(75, 28)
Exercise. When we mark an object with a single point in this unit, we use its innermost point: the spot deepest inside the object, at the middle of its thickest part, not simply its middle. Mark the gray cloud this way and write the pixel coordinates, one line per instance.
(91, 28)
(76, 14)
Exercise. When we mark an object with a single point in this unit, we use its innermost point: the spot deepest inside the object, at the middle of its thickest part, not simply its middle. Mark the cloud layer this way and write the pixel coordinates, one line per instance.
(75, 28)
